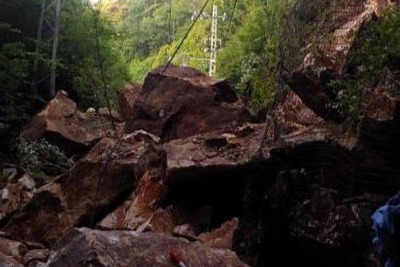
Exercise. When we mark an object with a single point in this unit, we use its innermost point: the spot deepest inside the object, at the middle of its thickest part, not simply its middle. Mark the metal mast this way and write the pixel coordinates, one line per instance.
(54, 25)
(214, 40)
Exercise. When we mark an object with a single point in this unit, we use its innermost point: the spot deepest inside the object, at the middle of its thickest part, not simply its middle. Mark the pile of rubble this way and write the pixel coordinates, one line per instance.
(187, 176)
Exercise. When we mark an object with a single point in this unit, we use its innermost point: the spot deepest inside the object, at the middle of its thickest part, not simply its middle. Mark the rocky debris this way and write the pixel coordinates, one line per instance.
(8, 261)
(334, 221)
(16, 194)
(15, 253)
(221, 237)
(13, 248)
(85, 247)
(186, 231)
(137, 211)
(173, 105)
(83, 193)
(295, 185)
(126, 99)
(110, 116)
(327, 56)
(62, 124)
(34, 257)
(209, 152)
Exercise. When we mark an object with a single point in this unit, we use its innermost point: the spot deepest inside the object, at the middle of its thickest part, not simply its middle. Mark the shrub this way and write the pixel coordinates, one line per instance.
(374, 58)
(41, 159)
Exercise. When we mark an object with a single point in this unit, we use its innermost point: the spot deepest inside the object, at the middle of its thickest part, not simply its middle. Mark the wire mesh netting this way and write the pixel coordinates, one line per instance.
(319, 35)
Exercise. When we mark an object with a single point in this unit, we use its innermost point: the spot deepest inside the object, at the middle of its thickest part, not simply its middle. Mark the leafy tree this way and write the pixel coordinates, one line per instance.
(374, 62)
(89, 60)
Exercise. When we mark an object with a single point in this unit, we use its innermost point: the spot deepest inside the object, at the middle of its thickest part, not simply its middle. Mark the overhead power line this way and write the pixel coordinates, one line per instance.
(232, 13)
(113, 149)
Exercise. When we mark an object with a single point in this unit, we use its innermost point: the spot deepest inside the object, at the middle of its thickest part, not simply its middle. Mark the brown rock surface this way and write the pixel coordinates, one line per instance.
(8, 261)
(87, 189)
(62, 124)
(13, 248)
(85, 247)
(16, 194)
(126, 99)
(326, 55)
(183, 102)
(221, 237)
(35, 256)
(214, 150)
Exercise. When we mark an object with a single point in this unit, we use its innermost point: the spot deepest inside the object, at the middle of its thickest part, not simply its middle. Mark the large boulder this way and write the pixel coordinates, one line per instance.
(206, 155)
(103, 177)
(197, 168)
(15, 253)
(85, 247)
(62, 124)
(181, 102)
(16, 194)
(126, 99)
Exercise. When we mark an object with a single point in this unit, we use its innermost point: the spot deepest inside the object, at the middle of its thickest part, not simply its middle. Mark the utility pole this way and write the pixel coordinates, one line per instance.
(37, 47)
(54, 25)
(214, 40)
(56, 32)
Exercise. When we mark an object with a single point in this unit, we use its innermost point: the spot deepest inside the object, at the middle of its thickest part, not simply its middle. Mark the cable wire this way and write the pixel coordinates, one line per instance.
(232, 13)
(112, 150)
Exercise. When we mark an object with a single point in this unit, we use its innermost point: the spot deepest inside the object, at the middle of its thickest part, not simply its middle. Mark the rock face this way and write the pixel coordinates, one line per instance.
(323, 58)
(182, 102)
(85, 247)
(81, 194)
(62, 124)
(126, 99)
(221, 237)
(14, 253)
(16, 194)
(214, 150)
(299, 186)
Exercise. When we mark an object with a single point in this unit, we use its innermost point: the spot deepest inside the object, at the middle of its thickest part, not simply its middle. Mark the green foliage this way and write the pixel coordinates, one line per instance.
(249, 54)
(379, 45)
(349, 99)
(374, 59)
(250, 57)
(41, 159)
(15, 104)
(88, 49)
(13, 66)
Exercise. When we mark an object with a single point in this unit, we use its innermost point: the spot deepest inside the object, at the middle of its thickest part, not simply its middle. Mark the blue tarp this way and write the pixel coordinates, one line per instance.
(386, 226)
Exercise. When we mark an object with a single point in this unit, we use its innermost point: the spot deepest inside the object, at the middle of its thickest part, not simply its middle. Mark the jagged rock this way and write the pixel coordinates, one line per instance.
(328, 56)
(114, 116)
(221, 237)
(210, 152)
(379, 149)
(138, 210)
(126, 99)
(182, 102)
(8, 261)
(85, 247)
(16, 194)
(12, 248)
(83, 193)
(62, 124)
(186, 231)
(35, 256)
(334, 221)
